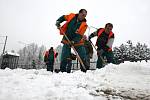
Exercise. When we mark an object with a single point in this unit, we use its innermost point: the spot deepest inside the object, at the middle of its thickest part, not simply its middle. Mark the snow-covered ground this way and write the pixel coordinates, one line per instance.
(114, 82)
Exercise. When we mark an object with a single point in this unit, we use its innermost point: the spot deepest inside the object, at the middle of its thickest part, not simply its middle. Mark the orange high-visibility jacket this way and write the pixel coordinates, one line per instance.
(110, 34)
(47, 53)
(80, 31)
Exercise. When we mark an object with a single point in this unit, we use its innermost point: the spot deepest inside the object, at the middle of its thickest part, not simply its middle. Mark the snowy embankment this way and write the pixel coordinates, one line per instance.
(114, 82)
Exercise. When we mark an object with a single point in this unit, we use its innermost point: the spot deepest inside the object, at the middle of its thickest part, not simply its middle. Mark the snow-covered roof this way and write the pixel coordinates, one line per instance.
(12, 53)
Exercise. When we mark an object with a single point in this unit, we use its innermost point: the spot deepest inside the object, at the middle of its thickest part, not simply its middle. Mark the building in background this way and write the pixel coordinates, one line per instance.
(10, 60)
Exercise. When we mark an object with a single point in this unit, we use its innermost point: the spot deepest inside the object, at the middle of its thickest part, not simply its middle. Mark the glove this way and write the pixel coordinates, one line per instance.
(57, 24)
(92, 35)
(100, 52)
(89, 38)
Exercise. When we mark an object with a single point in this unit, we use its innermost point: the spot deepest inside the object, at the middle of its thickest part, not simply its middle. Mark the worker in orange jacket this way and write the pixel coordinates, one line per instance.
(105, 39)
(74, 28)
(49, 59)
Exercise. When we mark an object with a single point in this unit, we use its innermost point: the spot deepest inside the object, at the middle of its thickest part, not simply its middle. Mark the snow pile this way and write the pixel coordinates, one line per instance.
(114, 82)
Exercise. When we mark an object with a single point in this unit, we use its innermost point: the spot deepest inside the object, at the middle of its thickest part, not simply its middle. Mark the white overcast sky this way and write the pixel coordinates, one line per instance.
(31, 21)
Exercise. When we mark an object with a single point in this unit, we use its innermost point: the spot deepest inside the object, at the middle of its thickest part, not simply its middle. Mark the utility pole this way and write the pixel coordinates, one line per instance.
(1, 56)
(4, 45)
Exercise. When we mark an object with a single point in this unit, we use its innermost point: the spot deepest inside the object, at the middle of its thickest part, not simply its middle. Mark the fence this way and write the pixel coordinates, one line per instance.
(75, 66)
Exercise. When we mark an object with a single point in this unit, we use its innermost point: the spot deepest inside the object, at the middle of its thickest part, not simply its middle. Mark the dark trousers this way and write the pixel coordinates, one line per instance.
(109, 56)
(69, 65)
(66, 52)
(50, 66)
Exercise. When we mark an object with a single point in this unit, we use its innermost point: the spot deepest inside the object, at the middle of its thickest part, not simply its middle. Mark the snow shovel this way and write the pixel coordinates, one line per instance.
(104, 62)
(78, 57)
